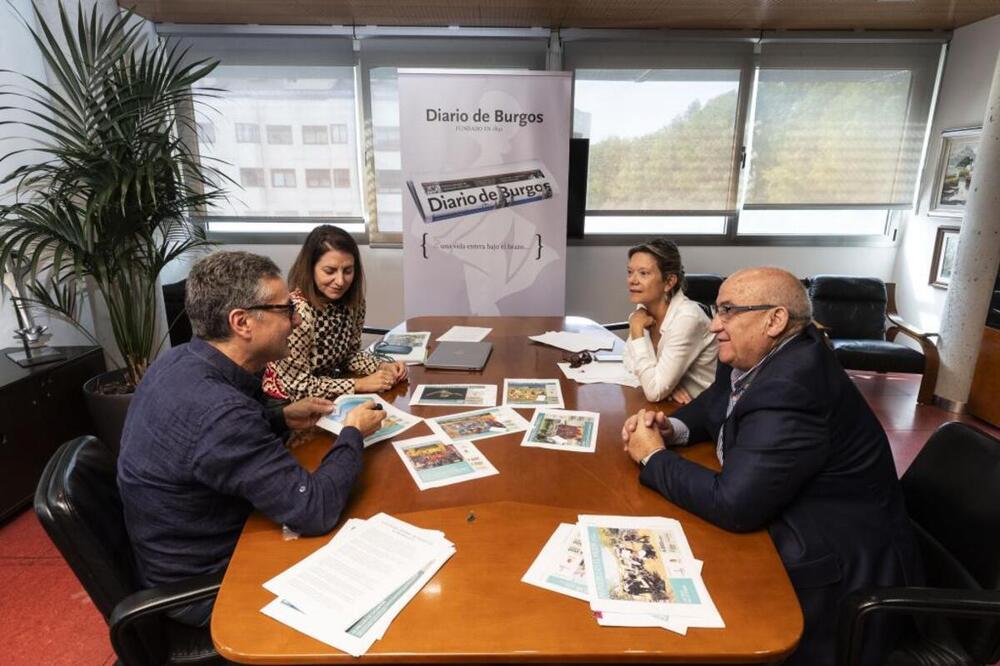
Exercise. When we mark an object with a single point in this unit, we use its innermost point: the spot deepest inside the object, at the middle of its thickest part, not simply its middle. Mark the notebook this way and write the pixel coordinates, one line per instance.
(459, 356)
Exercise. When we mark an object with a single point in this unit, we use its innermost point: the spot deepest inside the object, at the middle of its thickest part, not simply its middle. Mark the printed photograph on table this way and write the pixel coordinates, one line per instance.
(532, 393)
(455, 395)
(479, 424)
(434, 461)
(563, 430)
(644, 565)
(395, 422)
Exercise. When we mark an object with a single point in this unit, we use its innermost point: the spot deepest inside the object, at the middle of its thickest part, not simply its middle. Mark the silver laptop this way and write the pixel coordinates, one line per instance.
(459, 356)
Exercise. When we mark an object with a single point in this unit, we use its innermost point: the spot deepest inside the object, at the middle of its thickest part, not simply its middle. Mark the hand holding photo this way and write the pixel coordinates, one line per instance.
(532, 393)
(396, 420)
(563, 430)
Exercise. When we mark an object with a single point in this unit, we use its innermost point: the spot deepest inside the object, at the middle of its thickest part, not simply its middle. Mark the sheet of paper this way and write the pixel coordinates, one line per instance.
(395, 422)
(346, 578)
(600, 373)
(532, 393)
(415, 339)
(455, 395)
(559, 566)
(575, 342)
(479, 424)
(464, 334)
(436, 461)
(642, 565)
(563, 430)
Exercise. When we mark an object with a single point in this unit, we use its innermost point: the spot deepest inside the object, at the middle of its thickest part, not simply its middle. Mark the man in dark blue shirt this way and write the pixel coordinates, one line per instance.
(200, 451)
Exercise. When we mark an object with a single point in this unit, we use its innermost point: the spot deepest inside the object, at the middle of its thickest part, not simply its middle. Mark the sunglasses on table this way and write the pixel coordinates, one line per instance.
(287, 308)
(578, 359)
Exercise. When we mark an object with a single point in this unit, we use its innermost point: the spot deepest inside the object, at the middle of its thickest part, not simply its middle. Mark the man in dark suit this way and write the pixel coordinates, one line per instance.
(802, 454)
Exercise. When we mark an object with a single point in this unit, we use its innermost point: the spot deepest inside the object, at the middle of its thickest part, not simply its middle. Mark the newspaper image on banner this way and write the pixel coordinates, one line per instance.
(450, 194)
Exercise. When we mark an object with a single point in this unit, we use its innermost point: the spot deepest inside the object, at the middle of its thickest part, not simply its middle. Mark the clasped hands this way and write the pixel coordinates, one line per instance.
(305, 413)
(645, 432)
(388, 375)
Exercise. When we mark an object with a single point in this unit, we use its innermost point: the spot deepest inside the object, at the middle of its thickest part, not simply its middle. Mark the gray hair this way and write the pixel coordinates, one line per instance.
(223, 282)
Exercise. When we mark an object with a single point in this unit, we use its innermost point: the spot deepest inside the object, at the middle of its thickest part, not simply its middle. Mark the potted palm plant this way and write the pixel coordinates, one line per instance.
(110, 201)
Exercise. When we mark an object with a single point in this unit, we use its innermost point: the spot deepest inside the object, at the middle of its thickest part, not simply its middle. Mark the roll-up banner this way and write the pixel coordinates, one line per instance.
(484, 160)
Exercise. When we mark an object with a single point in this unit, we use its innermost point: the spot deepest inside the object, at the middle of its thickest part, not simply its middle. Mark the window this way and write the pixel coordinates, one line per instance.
(282, 178)
(318, 177)
(206, 133)
(338, 133)
(279, 134)
(315, 135)
(386, 138)
(268, 94)
(252, 177)
(247, 133)
(341, 178)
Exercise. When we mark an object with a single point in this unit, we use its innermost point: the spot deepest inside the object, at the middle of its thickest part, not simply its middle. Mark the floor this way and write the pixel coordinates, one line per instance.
(47, 618)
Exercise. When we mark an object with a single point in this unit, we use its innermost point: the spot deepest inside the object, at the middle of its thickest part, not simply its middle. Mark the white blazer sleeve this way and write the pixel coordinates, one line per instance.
(680, 345)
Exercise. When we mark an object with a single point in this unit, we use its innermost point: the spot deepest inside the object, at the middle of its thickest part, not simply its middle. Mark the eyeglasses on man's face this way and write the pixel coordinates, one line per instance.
(287, 308)
(726, 311)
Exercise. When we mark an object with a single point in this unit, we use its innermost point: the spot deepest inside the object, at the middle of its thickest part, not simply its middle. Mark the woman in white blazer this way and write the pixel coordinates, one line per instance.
(669, 347)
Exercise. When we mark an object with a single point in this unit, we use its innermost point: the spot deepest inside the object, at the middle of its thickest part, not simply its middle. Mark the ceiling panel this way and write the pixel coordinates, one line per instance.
(685, 14)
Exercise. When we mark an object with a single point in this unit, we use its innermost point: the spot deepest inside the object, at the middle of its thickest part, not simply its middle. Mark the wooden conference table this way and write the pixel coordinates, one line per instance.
(476, 609)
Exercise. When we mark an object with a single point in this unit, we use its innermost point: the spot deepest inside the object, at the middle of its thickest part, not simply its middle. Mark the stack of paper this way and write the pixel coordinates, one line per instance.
(348, 592)
(575, 342)
(635, 572)
(600, 373)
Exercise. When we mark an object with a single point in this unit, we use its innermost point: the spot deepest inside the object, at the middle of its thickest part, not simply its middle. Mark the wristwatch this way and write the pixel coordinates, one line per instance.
(642, 463)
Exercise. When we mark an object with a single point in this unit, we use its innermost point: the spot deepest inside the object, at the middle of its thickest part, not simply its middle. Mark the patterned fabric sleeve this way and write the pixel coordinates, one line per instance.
(360, 362)
(294, 373)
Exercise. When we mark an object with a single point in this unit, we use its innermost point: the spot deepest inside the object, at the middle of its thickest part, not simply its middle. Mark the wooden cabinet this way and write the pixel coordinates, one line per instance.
(984, 397)
(40, 408)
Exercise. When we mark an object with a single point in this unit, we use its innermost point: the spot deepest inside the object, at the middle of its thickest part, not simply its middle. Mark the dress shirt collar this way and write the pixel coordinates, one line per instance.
(740, 379)
(246, 382)
(673, 307)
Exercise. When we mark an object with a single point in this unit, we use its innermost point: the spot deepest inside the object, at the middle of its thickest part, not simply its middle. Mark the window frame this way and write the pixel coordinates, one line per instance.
(364, 227)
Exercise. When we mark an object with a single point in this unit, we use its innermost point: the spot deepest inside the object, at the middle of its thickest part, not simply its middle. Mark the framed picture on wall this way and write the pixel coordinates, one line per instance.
(943, 260)
(954, 174)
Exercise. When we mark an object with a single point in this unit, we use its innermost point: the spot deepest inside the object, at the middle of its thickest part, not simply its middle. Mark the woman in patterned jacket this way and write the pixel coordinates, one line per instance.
(325, 358)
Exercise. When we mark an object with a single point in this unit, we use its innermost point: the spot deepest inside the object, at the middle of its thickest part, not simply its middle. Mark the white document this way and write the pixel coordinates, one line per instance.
(563, 430)
(532, 393)
(464, 334)
(395, 422)
(600, 373)
(480, 424)
(415, 339)
(642, 565)
(359, 637)
(575, 342)
(437, 461)
(455, 395)
(348, 577)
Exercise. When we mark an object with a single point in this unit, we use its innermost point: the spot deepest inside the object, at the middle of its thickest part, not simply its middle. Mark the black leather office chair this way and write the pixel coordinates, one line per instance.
(854, 313)
(952, 492)
(78, 504)
(700, 287)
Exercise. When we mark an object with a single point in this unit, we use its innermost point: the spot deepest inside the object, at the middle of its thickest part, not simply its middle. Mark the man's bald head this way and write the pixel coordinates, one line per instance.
(769, 304)
(766, 284)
